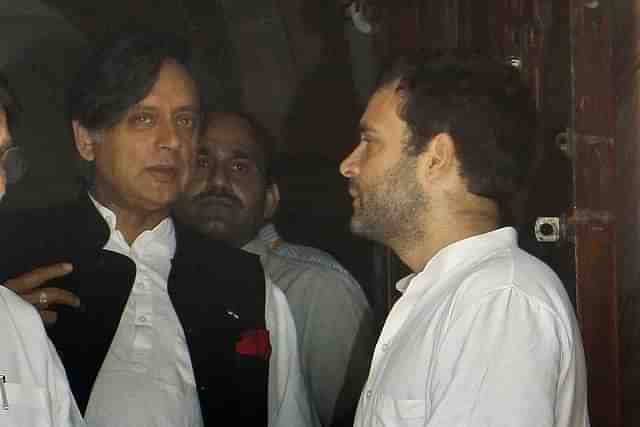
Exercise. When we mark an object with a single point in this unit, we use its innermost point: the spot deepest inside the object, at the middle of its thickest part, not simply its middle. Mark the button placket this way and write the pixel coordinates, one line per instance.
(143, 321)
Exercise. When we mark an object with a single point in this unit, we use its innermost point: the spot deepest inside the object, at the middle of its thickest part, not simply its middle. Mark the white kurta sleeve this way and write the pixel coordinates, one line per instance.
(500, 364)
(289, 403)
(34, 389)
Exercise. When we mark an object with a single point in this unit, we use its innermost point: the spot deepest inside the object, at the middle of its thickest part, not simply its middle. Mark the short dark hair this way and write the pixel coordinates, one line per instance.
(8, 102)
(119, 72)
(482, 104)
(262, 136)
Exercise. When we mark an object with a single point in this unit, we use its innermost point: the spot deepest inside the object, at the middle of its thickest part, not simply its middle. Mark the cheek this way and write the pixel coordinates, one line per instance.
(249, 192)
(196, 184)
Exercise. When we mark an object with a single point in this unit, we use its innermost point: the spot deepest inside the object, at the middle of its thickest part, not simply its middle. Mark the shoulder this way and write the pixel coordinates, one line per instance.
(318, 272)
(37, 216)
(512, 282)
(309, 255)
(197, 246)
(16, 306)
(22, 315)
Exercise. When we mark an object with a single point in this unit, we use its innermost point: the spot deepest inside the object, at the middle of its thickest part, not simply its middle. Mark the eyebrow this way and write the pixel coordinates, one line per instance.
(185, 109)
(364, 128)
(188, 109)
(243, 154)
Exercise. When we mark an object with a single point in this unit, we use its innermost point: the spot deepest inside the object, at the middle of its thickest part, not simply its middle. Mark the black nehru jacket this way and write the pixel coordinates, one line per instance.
(218, 293)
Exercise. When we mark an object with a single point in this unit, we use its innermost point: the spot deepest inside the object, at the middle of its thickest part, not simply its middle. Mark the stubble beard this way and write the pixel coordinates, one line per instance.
(391, 209)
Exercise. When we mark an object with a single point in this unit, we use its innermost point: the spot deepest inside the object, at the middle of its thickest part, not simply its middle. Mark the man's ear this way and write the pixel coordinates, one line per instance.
(439, 158)
(84, 141)
(272, 201)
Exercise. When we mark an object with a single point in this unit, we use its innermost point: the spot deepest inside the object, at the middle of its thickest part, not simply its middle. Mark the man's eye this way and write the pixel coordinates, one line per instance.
(202, 162)
(142, 119)
(186, 122)
(239, 167)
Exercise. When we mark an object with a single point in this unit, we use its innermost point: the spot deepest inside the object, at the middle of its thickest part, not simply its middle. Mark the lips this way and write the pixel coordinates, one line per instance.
(352, 191)
(163, 173)
(217, 201)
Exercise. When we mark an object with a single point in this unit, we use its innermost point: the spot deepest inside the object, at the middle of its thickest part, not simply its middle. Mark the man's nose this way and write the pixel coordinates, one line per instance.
(169, 137)
(218, 176)
(350, 166)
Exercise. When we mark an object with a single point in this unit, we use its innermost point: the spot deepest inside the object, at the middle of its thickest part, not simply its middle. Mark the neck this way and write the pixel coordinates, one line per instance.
(131, 221)
(444, 229)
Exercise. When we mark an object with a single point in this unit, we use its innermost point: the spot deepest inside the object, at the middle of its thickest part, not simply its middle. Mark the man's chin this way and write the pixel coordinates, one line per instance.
(357, 227)
(218, 229)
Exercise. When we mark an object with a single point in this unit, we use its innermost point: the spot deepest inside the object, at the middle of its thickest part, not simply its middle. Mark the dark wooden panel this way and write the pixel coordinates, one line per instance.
(627, 59)
(595, 197)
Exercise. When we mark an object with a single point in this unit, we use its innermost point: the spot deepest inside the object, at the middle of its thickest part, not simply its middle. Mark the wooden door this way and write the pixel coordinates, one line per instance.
(593, 146)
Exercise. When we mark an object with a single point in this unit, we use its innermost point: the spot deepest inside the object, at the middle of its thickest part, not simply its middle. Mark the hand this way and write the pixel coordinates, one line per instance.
(30, 287)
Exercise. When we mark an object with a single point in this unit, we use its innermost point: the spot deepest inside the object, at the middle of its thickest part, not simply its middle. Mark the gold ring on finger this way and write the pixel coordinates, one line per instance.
(42, 299)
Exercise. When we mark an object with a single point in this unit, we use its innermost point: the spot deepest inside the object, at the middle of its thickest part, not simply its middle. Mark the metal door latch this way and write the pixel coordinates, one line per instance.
(555, 229)
(548, 229)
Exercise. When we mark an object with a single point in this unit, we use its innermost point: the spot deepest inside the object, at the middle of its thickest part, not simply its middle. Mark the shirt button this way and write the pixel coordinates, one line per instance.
(142, 319)
(385, 347)
(369, 393)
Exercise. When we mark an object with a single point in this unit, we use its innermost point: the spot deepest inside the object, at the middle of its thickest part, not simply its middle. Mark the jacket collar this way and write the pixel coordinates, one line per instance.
(87, 229)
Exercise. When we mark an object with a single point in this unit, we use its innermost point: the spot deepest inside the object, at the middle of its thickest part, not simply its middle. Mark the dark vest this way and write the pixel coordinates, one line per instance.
(218, 293)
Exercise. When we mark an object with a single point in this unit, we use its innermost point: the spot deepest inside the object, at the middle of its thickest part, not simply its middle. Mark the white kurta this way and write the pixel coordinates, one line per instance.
(34, 390)
(147, 378)
(485, 335)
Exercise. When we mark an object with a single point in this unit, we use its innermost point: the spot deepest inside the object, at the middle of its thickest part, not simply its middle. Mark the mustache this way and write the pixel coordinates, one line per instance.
(219, 194)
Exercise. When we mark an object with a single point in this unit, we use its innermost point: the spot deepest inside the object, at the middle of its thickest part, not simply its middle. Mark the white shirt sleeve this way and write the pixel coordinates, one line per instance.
(34, 390)
(500, 364)
(289, 403)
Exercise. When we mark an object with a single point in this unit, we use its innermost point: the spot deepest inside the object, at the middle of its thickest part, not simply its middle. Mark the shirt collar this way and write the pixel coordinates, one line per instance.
(163, 233)
(256, 247)
(464, 251)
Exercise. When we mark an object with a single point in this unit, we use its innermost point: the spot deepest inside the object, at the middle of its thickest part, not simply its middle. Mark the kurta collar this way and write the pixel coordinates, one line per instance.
(256, 247)
(466, 251)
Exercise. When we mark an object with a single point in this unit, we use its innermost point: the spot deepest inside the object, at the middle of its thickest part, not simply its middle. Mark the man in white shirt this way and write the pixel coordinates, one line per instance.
(34, 390)
(233, 197)
(483, 334)
(173, 328)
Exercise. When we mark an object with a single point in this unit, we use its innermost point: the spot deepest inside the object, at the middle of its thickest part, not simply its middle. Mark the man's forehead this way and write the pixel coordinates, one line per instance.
(230, 146)
(232, 133)
(174, 85)
(383, 107)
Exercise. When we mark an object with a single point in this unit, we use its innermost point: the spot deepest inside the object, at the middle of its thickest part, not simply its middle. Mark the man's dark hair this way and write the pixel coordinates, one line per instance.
(485, 108)
(8, 102)
(119, 72)
(265, 140)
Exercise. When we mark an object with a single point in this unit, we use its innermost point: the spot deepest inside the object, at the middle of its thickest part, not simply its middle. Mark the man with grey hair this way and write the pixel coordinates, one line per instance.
(174, 329)
(34, 390)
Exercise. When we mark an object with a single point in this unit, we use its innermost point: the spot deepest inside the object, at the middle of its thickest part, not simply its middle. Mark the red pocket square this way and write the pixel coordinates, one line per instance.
(254, 342)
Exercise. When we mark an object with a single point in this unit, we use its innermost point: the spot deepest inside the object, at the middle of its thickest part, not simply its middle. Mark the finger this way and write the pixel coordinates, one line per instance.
(49, 317)
(36, 278)
(49, 297)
